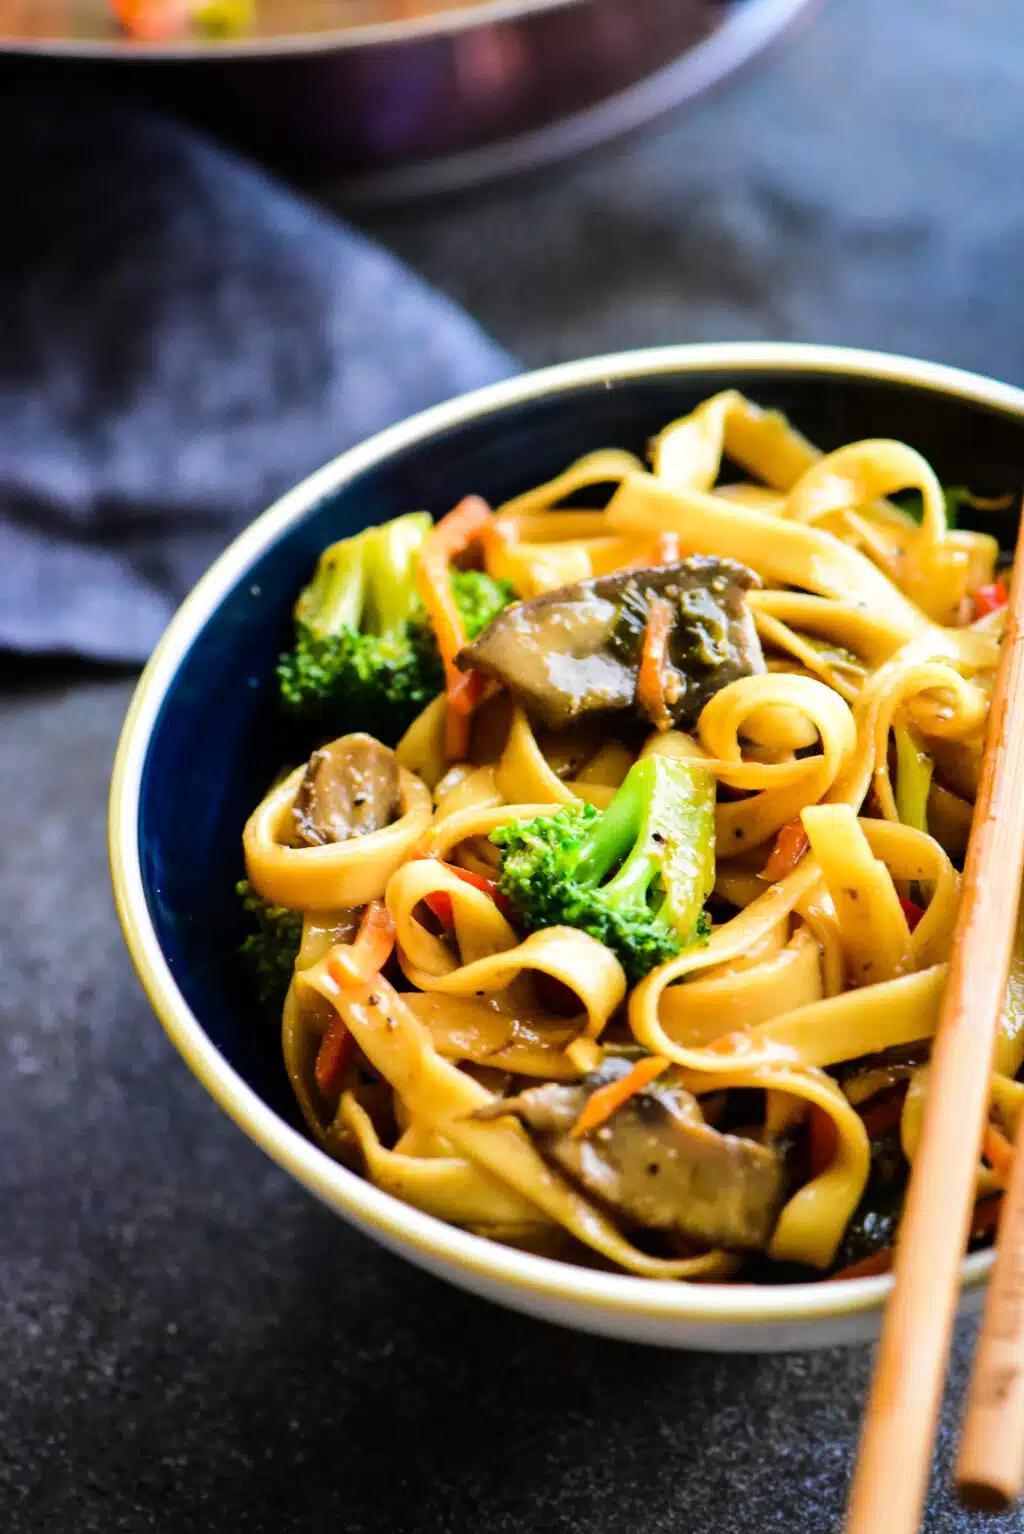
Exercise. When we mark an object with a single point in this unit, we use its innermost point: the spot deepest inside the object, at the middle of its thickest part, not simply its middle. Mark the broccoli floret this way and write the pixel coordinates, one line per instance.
(365, 653)
(635, 875)
(270, 952)
(480, 599)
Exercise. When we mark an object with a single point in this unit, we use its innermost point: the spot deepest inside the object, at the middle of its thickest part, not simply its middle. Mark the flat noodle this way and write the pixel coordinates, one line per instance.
(608, 466)
(578, 962)
(500, 1032)
(787, 553)
(450, 1187)
(440, 1096)
(866, 618)
(738, 996)
(689, 452)
(786, 787)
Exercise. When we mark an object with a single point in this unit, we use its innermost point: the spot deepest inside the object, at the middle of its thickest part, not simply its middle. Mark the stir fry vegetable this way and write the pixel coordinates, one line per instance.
(635, 875)
(364, 648)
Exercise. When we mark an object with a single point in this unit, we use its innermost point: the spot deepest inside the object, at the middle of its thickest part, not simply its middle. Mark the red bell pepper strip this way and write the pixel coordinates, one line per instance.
(988, 599)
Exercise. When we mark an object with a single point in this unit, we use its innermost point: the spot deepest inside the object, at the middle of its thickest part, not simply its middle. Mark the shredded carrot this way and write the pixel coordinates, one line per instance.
(912, 911)
(608, 1099)
(457, 734)
(356, 963)
(153, 21)
(987, 599)
(650, 685)
(332, 1057)
(352, 966)
(451, 537)
(998, 1152)
(790, 845)
(498, 536)
(463, 697)
(733, 1043)
(867, 1267)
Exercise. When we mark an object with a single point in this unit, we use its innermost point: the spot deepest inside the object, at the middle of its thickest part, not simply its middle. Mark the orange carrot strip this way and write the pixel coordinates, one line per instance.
(867, 1267)
(457, 735)
(608, 1099)
(497, 538)
(998, 1152)
(733, 1043)
(332, 1057)
(650, 683)
(356, 963)
(790, 846)
(463, 697)
(452, 536)
(153, 21)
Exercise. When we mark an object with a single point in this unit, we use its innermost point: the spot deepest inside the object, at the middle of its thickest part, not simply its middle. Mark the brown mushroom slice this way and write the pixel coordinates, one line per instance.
(656, 1162)
(576, 651)
(350, 789)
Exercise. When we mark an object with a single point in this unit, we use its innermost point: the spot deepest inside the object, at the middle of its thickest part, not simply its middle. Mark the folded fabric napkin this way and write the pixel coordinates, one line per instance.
(182, 340)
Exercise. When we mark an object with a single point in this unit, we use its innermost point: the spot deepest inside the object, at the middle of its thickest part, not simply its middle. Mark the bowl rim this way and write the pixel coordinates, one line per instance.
(426, 1239)
(446, 21)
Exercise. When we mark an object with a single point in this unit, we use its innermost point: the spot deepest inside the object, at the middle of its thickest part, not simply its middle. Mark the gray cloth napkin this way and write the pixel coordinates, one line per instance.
(182, 339)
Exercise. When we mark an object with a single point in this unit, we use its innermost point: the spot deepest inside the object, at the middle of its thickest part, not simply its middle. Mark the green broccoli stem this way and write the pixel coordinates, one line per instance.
(634, 876)
(632, 884)
(368, 582)
(914, 769)
(334, 597)
(616, 840)
(392, 554)
(607, 841)
(661, 822)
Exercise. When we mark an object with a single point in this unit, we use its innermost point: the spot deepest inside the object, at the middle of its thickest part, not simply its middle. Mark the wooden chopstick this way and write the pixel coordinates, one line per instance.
(990, 1465)
(891, 1475)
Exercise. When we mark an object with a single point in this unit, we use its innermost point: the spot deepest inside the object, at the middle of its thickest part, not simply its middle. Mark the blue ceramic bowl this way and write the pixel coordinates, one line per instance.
(203, 737)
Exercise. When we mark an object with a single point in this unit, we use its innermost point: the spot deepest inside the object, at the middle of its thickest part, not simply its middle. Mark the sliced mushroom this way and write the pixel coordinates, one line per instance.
(657, 1162)
(350, 789)
(576, 651)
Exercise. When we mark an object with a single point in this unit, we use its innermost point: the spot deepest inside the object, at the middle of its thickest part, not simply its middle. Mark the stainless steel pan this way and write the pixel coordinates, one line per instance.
(396, 98)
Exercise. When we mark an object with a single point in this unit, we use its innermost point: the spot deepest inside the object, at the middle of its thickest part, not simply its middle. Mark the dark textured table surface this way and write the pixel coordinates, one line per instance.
(190, 1343)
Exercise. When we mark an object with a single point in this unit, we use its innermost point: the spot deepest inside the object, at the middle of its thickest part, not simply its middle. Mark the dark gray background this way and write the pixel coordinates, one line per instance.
(192, 1343)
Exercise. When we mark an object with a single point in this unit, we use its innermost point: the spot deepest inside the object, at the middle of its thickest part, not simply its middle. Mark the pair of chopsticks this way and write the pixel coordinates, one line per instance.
(891, 1478)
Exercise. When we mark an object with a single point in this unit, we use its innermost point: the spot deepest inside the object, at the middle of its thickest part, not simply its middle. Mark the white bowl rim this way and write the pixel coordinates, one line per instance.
(433, 1242)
